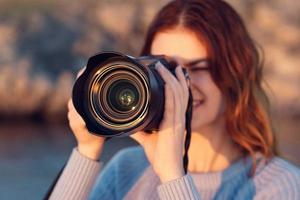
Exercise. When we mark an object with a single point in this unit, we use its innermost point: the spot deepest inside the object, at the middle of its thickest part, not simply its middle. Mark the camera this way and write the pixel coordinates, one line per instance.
(118, 95)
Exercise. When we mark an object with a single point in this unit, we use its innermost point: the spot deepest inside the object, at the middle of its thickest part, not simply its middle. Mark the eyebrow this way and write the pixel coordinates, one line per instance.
(190, 63)
(197, 61)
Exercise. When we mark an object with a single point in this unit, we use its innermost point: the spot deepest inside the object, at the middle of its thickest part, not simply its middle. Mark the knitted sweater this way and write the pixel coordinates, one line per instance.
(128, 175)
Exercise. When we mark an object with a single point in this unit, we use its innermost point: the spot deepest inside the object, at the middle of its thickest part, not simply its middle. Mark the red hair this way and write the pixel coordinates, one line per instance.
(236, 67)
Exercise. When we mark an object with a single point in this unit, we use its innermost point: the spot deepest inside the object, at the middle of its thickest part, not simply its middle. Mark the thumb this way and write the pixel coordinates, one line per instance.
(80, 71)
(140, 137)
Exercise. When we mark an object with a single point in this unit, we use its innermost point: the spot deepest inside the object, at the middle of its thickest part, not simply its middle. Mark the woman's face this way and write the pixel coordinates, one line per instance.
(185, 47)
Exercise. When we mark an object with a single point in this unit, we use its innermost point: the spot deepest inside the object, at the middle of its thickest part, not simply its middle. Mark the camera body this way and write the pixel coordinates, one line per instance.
(118, 95)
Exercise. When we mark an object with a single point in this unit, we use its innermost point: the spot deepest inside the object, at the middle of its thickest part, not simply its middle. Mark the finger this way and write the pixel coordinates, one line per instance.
(167, 75)
(181, 78)
(169, 112)
(70, 104)
(76, 123)
(183, 83)
(80, 71)
(177, 112)
(180, 100)
(171, 81)
(74, 116)
(167, 123)
(139, 136)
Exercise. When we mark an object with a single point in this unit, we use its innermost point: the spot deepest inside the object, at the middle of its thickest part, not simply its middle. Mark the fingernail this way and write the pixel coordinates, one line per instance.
(158, 66)
(179, 68)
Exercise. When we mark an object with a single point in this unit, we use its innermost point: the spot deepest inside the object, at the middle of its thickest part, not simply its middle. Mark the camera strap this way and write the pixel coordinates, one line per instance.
(188, 119)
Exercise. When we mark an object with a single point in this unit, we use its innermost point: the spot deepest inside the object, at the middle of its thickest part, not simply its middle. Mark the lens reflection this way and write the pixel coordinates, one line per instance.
(123, 96)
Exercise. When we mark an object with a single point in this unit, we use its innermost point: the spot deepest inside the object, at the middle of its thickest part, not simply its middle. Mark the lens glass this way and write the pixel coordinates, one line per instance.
(119, 96)
(123, 96)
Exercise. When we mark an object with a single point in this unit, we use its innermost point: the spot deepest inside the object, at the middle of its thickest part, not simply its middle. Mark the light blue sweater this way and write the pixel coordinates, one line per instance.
(128, 175)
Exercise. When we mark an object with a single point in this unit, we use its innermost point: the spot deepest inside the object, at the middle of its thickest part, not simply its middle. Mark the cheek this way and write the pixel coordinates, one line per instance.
(214, 105)
(215, 100)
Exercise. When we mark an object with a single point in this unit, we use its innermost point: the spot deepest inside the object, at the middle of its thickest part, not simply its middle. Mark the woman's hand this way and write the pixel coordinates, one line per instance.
(165, 148)
(89, 145)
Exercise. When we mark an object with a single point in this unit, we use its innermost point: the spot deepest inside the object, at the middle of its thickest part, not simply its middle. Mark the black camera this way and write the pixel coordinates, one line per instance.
(118, 95)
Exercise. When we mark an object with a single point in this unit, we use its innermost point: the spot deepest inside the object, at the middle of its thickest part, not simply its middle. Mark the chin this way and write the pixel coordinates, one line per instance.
(201, 122)
(207, 123)
(198, 125)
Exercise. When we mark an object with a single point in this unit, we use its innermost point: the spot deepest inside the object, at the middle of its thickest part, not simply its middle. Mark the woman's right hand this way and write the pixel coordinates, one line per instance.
(89, 145)
(165, 147)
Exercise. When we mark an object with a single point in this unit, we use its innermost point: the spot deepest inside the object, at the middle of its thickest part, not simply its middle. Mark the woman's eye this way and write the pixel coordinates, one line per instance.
(200, 69)
(199, 72)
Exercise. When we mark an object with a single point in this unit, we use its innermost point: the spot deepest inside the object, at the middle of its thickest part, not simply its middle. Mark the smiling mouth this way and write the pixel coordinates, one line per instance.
(197, 103)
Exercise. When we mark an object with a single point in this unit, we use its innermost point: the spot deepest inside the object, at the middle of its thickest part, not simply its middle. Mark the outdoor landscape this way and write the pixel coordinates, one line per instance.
(43, 44)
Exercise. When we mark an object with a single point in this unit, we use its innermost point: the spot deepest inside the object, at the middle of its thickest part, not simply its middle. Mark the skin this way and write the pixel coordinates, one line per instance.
(211, 148)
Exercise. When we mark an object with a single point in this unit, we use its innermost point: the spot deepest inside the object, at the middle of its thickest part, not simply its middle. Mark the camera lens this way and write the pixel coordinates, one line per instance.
(119, 96)
(123, 96)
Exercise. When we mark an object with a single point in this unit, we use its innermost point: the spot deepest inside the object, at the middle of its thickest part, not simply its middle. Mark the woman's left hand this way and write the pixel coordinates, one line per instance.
(165, 148)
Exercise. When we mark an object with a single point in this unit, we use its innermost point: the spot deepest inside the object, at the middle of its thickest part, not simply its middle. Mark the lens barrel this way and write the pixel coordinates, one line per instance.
(118, 95)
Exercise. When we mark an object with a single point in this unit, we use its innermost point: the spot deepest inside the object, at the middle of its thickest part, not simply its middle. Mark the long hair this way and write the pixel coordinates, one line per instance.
(236, 68)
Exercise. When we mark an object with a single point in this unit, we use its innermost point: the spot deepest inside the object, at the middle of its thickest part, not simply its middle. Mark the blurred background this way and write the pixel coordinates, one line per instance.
(44, 43)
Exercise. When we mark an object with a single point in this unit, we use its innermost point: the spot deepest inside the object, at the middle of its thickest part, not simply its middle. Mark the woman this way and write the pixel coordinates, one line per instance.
(232, 151)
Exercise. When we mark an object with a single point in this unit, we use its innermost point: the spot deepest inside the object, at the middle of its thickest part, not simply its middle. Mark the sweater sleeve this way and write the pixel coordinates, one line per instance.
(77, 179)
(180, 189)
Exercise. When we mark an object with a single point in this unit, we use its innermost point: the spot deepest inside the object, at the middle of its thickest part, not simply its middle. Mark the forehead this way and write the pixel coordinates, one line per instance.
(180, 43)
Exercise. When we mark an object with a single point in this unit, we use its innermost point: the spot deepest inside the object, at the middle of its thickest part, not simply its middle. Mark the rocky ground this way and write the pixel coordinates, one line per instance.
(44, 43)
